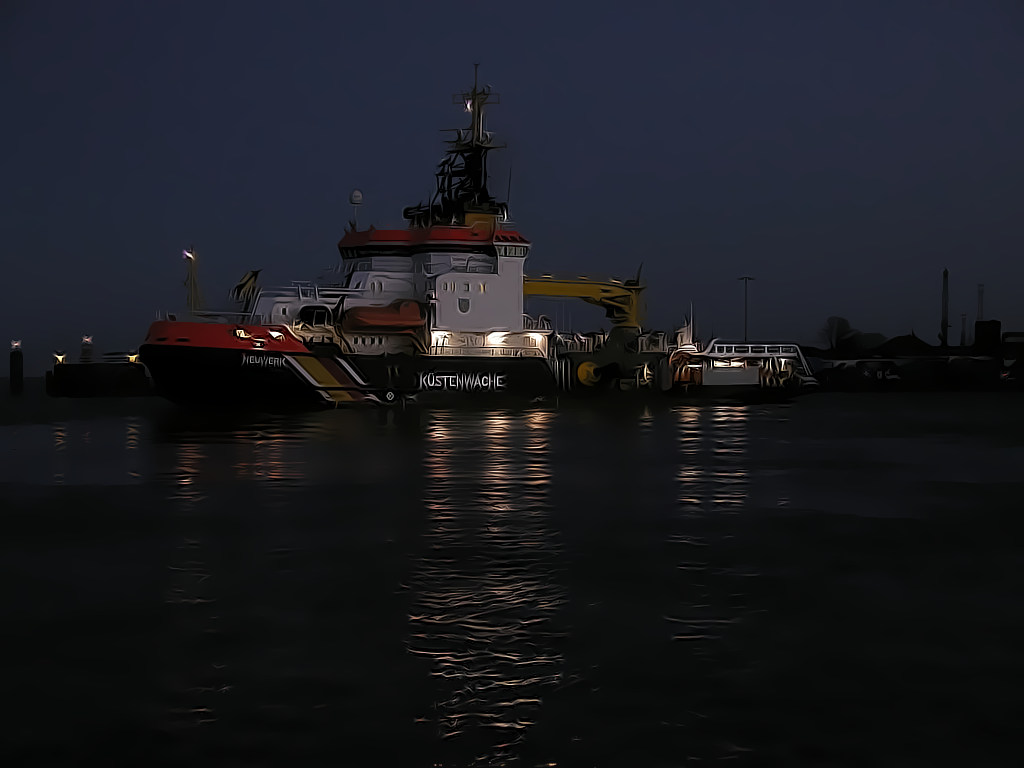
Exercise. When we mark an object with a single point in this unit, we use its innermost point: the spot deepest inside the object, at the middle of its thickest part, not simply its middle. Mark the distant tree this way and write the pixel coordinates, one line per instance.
(872, 340)
(835, 330)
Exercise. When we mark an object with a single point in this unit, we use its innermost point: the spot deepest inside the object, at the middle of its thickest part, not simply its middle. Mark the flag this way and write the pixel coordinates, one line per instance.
(246, 287)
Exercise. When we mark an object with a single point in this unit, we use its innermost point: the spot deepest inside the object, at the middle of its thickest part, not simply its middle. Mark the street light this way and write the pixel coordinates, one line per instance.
(745, 280)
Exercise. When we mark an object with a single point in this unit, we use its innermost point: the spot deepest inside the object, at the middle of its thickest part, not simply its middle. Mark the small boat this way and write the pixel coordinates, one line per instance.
(115, 374)
(746, 370)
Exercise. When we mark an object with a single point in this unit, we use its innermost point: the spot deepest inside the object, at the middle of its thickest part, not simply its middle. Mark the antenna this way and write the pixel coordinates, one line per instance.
(746, 280)
(944, 330)
(636, 280)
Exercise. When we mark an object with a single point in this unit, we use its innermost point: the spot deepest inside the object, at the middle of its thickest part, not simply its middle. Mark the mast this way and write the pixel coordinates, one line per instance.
(194, 298)
(462, 174)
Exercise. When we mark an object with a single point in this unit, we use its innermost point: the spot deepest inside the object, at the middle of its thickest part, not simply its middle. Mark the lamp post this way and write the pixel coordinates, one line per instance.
(194, 299)
(745, 280)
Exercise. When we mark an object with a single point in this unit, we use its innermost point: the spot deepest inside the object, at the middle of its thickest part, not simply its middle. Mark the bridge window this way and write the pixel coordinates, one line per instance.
(774, 350)
(314, 315)
(757, 350)
(742, 350)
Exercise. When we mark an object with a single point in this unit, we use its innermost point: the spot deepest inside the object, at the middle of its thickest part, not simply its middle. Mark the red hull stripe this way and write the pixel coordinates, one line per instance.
(431, 235)
(244, 338)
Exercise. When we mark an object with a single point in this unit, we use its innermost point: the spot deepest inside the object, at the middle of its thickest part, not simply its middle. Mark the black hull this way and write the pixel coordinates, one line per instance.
(451, 380)
(98, 380)
(218, 378)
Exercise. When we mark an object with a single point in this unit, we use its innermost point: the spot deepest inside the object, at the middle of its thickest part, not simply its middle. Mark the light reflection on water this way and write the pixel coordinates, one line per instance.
(268, 460)
(60, 444)
(486, 590)
(195, 689)
(712, 477)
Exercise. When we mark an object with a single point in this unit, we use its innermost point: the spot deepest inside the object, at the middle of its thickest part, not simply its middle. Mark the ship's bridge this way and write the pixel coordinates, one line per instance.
(472, 276)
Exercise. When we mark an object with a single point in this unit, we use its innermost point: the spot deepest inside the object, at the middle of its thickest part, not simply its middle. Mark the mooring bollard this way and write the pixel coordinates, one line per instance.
(17, 368)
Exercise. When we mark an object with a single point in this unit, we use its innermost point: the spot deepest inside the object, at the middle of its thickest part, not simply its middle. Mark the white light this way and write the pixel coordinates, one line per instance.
(87, 339)
(186, 254)
(496, 339)
(15, 343)
(469, 105)
(438, 338)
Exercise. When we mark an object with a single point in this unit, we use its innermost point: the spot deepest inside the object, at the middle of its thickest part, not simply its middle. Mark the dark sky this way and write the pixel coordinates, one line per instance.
(840, 153)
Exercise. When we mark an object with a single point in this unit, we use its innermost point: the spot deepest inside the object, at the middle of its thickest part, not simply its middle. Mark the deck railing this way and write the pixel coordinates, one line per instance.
(446, 351)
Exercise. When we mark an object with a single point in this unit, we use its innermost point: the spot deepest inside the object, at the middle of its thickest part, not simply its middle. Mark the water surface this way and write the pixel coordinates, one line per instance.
(834, 581)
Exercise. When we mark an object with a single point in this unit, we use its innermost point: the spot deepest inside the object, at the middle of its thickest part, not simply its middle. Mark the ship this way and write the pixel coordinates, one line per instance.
(114, 374)
(750, 371)
(428, 312)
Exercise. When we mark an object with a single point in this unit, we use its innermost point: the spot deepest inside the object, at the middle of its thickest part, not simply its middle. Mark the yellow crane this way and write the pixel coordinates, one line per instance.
(621, 301)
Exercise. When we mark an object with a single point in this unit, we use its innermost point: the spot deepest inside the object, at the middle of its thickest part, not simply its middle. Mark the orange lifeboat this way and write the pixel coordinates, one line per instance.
(402, 315)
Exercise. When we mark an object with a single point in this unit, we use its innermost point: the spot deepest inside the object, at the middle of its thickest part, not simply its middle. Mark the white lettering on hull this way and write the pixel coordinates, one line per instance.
(463, 382)
(262, 361)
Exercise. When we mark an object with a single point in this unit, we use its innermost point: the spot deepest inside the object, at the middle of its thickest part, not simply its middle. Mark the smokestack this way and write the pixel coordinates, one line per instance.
(943, 334)
(963, 329)
(981, 301)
